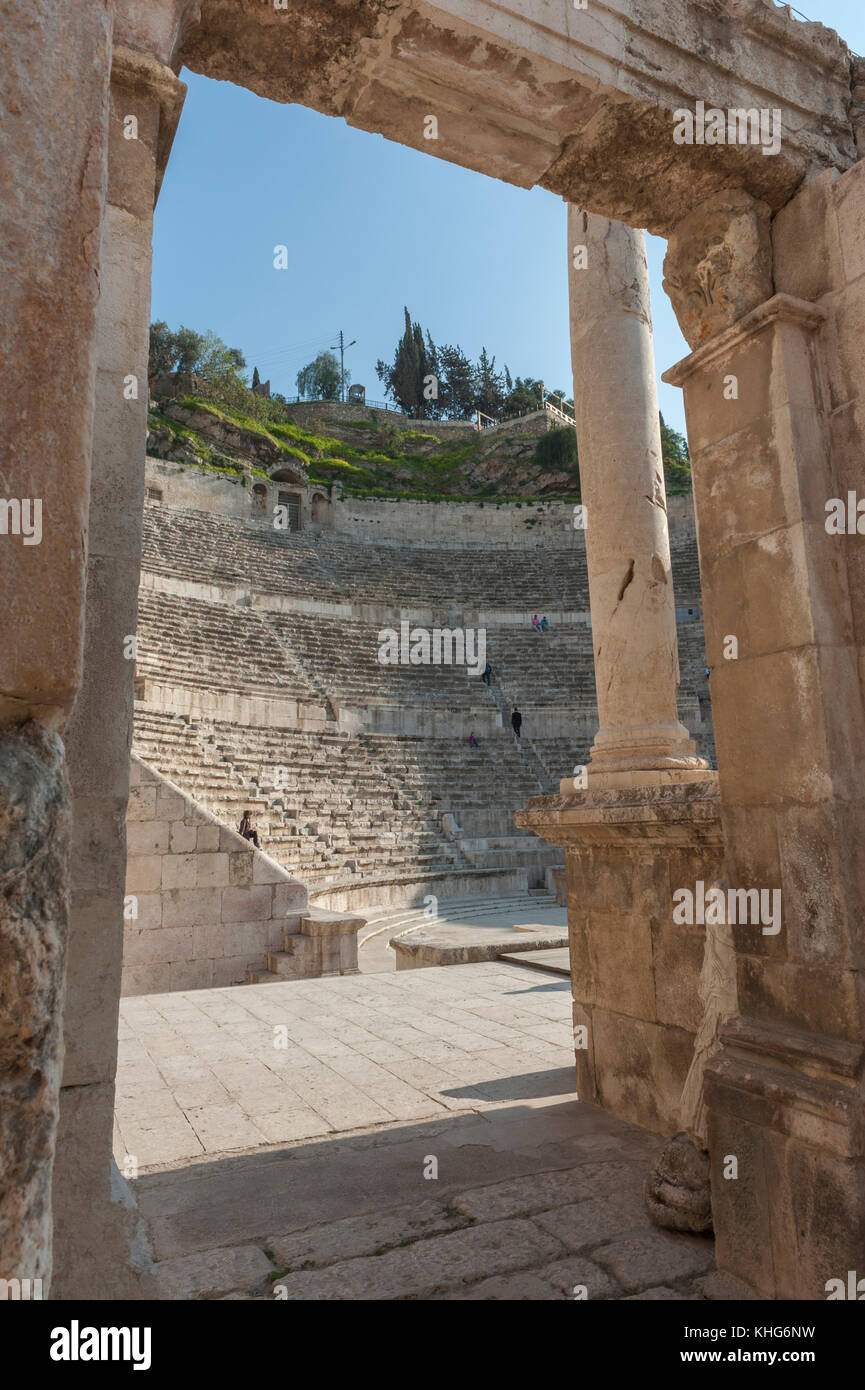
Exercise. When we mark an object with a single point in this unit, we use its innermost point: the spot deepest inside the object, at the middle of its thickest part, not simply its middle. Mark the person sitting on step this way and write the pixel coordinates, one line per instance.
(247, 829)
(535, 623)
(473, 743)
(545, 626)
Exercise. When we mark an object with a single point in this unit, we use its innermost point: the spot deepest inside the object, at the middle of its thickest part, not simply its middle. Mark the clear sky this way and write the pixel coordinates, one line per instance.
(370, 226)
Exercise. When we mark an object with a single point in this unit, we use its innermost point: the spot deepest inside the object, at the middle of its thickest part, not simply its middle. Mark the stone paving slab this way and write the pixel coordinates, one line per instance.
(218, 1071)
(418, 1138)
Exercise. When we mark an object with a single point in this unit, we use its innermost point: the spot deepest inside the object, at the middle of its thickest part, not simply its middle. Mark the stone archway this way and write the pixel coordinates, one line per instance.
(583, 106)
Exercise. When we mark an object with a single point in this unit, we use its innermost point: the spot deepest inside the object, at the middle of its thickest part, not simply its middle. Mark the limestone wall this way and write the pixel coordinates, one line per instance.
(457, 523)
(209, 906)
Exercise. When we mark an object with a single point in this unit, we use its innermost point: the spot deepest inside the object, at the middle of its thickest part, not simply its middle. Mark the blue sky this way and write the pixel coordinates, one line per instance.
(370, 226)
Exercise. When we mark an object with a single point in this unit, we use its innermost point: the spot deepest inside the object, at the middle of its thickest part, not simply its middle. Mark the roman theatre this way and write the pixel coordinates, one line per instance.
(693, 720)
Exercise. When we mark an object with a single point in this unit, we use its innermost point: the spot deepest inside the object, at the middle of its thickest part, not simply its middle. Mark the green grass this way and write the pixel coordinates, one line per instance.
(385, 470)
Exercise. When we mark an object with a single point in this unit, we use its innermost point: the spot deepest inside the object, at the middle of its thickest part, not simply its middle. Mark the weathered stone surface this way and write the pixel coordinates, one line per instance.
(642, 1262)
(719, 265)
(361, 1235)
(214, 1273)
(678, 1189)
(439, 1263)
(34, 906)
(583, 103)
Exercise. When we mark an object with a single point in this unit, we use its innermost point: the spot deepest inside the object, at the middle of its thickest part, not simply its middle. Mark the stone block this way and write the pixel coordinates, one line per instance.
(240, 868)
(149, 909)
(169, 944)
(93, 968)
(245, 938)
(182, 839)
(245, 904)
(208, 941)
(145, 979)
(211, 870)
(266, 871)
(190, 974)
(147, 837)
(208, 839)
(289, 897)
(848, 197)
(142, 802)
(640, 1069)
(144, 873)
(170, 804)
(191, 907)
(180, 871)
(231, 970)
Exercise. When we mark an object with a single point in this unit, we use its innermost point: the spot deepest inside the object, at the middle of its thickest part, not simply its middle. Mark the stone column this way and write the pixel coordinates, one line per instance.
(52, 170)
(775, 401)
(640, 738)
(101, 1245)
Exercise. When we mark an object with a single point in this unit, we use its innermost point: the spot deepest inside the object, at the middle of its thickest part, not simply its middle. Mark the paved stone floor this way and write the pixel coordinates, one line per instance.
(417, 1138)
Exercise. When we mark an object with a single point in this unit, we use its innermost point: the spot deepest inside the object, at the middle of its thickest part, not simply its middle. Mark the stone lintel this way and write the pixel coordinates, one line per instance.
(781, 308)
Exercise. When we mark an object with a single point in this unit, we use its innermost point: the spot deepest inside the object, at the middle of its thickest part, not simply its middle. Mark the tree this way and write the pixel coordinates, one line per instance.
(524, 395)
(194, 354)
(456, 384)
(409, 379)
(677, 460)
(320, 379)
(256, 379)
(162, 350)
(489, 386)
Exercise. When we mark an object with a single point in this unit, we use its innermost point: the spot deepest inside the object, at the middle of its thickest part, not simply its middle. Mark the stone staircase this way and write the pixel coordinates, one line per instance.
(315, 943)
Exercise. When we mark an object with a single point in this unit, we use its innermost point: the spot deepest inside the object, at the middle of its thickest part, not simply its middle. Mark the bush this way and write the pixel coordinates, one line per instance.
(557, 450)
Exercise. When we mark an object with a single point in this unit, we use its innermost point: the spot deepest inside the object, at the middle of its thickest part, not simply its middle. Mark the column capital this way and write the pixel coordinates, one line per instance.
(718, 264)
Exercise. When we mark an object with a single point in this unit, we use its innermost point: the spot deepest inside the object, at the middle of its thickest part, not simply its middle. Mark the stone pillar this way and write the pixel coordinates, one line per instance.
(775, 401)
(101, 1247)
(52, 170)
(622, 488)
(648, 822)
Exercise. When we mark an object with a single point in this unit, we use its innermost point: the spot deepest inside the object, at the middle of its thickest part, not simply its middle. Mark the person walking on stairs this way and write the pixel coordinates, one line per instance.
(487, 675)
(473, 743)
(516, 722)
(247, 829)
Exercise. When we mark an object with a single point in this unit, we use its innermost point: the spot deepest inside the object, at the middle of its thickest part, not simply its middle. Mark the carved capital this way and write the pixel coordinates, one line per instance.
(718, 265)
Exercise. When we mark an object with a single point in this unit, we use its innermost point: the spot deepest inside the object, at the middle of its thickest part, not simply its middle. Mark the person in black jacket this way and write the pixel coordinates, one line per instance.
(516, 721)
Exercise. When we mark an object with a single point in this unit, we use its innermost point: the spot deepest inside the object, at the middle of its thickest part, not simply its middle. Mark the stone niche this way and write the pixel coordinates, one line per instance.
(635, 973)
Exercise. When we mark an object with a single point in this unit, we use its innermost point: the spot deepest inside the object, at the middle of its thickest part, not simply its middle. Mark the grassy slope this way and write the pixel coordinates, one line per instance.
(389, 471)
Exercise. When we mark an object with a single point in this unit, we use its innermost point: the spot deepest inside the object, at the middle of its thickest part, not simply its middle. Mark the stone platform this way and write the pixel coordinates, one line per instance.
(306, 1172)
(462, 932)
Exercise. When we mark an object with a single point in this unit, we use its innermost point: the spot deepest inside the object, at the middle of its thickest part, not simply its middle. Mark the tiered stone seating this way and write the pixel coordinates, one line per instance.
(686, 570)
(355, 808)
(341, 656)
(213, 549)
(544, 668)
(190, 642)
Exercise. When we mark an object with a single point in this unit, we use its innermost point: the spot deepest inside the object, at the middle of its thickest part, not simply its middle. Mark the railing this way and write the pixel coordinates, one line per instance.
(481, 422)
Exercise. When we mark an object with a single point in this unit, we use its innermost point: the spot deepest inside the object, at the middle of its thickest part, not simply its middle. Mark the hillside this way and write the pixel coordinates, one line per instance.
(520, 459)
